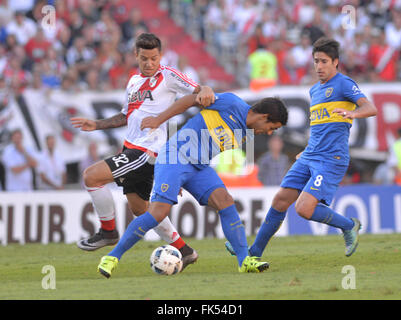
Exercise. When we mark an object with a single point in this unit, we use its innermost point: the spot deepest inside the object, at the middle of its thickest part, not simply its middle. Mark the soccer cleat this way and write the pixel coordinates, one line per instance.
(351, 237)
(107, 265)
(230, 248)
(99, 240)
(253, 265)
(189, 256)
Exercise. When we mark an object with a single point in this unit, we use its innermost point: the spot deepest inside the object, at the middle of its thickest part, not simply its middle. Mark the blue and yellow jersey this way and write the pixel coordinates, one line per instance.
(219, 127)
(329, 132)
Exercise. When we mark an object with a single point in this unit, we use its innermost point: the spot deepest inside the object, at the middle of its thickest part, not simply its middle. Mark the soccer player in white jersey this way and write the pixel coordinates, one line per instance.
(147, 94)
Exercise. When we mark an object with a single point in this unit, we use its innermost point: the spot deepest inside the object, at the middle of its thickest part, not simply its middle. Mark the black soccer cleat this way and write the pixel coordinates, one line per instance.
(189, 256)
(99, 240)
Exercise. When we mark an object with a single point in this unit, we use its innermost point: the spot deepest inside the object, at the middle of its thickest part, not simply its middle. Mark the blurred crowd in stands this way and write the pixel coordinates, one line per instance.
(91, 45)
(278, 34)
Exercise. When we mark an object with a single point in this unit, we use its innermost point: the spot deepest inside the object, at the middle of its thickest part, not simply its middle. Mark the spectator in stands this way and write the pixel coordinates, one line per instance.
(63, 11)
(118, 10)
(134, 23)
(188, 70)
(298, 59)
(379, 13)
(104, 59)
(69, 81)
(88, 11)
(76, 25)
(170, 57)
(257, 39)
(22, 27)
(383, 59)
(354, 173)
(117, 74)
(19, 162)
(52, 174)
(35, 13)
(394, 159)
(262, 69)
(245, 17)
(199, 13)
(37, 46)
(272, 23)
(107, 28)
(383, 174)
(17, 77)
(50, 77)
(80, 56)
(92, 81)
(3, 23)
(273, 164)
(316, 27)
(393, 29)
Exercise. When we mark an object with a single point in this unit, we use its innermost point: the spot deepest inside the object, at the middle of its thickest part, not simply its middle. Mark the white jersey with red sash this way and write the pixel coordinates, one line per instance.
(149, 96)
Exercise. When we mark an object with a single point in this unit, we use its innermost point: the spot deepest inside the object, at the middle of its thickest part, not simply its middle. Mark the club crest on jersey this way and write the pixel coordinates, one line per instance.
(140, 96)
(164, 187)
(152, 82)
(329, 91)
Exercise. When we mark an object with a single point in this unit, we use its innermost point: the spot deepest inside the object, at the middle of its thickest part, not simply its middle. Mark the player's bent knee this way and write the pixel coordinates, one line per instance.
(303, 211)
(89, 177)
(97, 174)
(159, 210)
(280, 203)
(220, 199)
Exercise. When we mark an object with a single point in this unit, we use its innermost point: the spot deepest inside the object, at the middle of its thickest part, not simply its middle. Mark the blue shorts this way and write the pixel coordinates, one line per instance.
(320, 179)
(200, 181)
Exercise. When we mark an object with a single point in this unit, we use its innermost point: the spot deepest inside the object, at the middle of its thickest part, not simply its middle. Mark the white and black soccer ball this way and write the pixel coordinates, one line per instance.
(166, 260)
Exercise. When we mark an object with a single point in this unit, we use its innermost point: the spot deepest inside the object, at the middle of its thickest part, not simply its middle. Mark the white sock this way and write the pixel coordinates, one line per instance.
(103, 202)
(167, 231)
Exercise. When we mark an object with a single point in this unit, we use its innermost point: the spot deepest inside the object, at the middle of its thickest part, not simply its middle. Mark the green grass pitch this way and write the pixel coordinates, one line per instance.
(301, 267)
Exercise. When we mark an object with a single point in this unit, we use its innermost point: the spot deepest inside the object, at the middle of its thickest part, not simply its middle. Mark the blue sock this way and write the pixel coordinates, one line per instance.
(234, 231)
(272, 223)
(135, 232)
(326, 215)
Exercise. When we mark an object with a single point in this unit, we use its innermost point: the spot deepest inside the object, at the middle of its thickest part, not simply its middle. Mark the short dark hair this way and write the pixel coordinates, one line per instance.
(148, 41)
(274, 107)
(329, 46)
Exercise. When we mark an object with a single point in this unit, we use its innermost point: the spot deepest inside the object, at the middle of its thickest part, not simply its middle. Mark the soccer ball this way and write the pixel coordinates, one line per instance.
(166, 260)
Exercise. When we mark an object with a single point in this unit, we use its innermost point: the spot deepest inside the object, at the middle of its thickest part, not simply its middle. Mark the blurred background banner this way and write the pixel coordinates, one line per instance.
(68, 216)
(40, 114)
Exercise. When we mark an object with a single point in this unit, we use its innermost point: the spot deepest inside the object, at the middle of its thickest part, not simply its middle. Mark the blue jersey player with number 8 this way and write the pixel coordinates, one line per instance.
(314, 178)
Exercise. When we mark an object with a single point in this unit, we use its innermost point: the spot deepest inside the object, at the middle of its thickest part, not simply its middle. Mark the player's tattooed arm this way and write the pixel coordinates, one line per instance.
(119, 120)
(84, 124)
(178, 107)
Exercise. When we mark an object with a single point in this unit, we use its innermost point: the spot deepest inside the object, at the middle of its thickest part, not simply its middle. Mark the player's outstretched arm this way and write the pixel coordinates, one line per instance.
(365, 109)
(178, 107)
(84, 124)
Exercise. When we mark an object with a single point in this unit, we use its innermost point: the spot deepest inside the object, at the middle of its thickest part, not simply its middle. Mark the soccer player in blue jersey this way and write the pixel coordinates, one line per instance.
(314, 178)
(184, 163)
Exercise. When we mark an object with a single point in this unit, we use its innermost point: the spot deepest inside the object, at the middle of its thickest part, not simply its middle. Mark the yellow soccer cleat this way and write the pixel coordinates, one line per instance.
(107, 265)
(253, 265)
